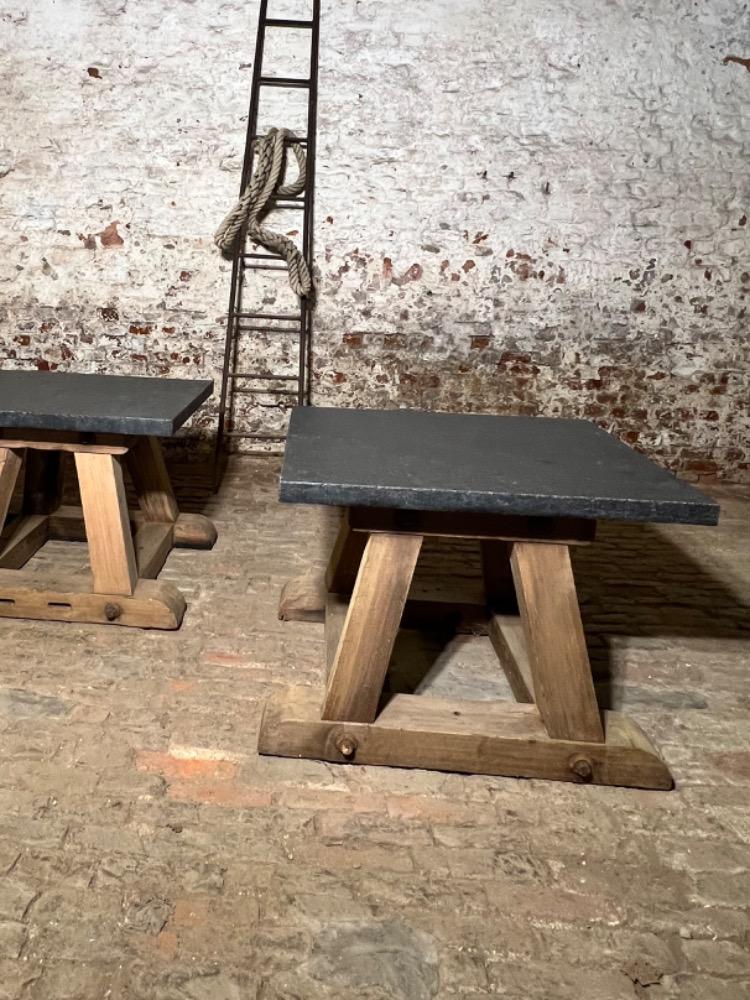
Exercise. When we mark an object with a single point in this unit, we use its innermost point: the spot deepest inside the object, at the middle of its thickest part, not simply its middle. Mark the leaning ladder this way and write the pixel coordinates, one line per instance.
(270, 389)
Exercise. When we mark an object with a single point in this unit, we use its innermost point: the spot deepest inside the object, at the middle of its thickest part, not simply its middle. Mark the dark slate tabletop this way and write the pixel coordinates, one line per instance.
(470, 462)
(104, 404)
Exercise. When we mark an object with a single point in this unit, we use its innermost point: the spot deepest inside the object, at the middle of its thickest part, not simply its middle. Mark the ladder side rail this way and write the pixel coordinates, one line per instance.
(236, 280)
(244, 261)
(305, 340)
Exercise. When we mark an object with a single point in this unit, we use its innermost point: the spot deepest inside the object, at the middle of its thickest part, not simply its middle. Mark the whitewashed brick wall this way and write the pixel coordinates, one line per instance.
(521, 207)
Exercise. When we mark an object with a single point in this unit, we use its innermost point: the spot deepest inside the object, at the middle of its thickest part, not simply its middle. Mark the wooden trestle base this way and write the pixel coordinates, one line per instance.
(554, 730)
(127, 549)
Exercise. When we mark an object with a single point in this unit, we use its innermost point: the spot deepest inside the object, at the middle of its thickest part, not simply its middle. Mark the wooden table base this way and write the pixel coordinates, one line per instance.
(555, 729)
(127, 549)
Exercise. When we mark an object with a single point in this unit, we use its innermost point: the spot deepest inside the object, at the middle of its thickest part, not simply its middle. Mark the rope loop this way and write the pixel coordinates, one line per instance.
(266, 184)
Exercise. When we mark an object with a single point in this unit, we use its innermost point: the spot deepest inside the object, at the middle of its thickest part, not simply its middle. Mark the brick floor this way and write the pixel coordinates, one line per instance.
(147, 853)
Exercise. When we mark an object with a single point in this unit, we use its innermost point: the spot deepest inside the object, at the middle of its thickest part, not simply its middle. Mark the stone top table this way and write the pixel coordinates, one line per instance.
(100, 404)
(104, 421)
(543, 467)
(527, 489)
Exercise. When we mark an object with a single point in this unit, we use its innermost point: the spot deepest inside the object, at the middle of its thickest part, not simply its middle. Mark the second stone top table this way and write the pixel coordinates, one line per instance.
(105, 421)
(528, 489)
(99, 404)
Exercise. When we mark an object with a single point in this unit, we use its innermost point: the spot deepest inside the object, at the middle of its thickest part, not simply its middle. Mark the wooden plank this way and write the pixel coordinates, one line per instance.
(42, 481)
(96, 444)
(66, 524)
(371, 626)
(105, 513)
(10, 466)
(151, 480)
(508, 641)
(191, 531)
(336, 609)
(555, 641)
(473, 524)
(153, 543)
(194, 531)
(343, 566)
(28, 536)
(153, 604)
(303, 599)
(500, 738)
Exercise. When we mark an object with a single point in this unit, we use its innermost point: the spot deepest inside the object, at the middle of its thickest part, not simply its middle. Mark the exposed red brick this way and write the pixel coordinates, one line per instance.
(157, 762)
(110, 237)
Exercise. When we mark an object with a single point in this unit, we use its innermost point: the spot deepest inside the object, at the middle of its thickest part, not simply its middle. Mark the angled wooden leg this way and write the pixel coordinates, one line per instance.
(147, 469)
(370, 628)
(555, 641)
(337, 606)
(151, 480)
(154, 537)
(504, 626)
(509, 642)
(346, 557)
(29, 533)
(105, 513)
(10, 465)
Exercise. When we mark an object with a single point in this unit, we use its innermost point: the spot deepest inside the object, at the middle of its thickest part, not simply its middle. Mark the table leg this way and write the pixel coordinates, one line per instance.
(146, 466)
(504, 626)
(556, 645)
(158, 505)
(105, 514)
(10, 465)
(346, 557)
(370, 628)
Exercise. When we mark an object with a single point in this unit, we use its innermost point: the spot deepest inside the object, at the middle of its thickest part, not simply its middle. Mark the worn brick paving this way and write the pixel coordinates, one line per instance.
(147, 853)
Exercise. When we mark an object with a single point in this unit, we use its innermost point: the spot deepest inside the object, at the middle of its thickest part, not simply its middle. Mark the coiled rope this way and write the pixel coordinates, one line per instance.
(266, 183)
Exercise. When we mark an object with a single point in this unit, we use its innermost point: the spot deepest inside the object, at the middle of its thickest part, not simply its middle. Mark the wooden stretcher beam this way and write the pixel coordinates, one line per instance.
(499, 738)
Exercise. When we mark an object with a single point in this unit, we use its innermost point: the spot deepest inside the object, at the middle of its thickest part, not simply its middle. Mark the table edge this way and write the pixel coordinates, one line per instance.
(644, 511)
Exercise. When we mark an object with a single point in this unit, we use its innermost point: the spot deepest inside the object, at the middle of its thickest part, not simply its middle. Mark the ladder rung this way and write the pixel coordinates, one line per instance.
(263, 267)
(265, 392)
(266, 329)
(255, 436)
(284, 81)
(257, 375)
(261, 315)
(263, 256)
(284, 22)
(289, 139)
